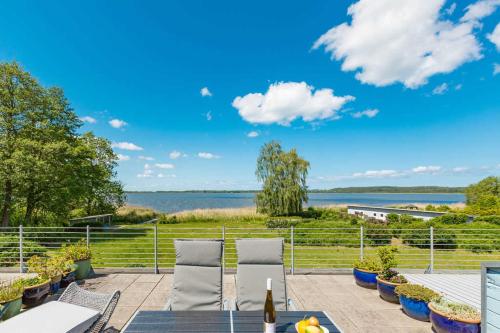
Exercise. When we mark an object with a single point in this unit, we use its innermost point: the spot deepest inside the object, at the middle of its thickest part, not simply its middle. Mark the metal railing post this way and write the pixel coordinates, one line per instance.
(292, 243)
(361, 243)
(431, 266)
(156, 247)
(88, 236)
(21, 255)
(223, 249)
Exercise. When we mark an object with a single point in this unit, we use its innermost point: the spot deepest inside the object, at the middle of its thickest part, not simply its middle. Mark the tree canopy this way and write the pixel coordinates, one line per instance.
(48, 169)
(483, 198)
(283, 176)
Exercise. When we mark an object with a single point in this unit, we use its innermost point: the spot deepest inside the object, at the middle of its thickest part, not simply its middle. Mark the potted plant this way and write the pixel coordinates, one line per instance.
(36, 289)
(449, 316)
(388, 279)
(365, 272)
(68, 275)
(11, 300)
(47, 268)
(81, 255)
(414, 300)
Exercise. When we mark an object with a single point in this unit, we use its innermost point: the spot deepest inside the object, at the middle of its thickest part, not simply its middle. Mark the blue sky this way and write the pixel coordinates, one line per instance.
(390, 93)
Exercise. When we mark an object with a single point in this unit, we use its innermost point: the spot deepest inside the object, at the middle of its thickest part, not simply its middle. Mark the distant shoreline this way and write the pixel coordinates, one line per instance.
(345, 190)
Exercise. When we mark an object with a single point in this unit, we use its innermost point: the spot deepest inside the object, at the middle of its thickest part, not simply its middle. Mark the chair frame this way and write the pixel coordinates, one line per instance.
(104, 303)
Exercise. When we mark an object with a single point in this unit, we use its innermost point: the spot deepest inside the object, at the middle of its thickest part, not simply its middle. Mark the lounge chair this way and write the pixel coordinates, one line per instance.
(259, 259)
(76, 311)
(197, 276)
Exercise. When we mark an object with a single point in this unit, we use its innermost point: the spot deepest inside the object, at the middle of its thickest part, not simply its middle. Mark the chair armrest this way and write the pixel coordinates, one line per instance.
(100, 324)
(290, 305)
(168, 305)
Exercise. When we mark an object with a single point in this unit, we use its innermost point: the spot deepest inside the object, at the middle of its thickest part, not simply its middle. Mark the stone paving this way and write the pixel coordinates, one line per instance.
(353, 308)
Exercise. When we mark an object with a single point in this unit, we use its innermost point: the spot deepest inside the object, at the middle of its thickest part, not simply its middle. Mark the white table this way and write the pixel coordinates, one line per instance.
(51, 317)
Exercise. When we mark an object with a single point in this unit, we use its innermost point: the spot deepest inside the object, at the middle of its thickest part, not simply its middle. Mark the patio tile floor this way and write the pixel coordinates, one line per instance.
(353, 308)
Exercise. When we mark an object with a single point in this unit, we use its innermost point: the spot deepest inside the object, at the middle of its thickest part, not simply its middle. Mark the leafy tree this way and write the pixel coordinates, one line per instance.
(46, 167)
(483, 198)
(283, 175)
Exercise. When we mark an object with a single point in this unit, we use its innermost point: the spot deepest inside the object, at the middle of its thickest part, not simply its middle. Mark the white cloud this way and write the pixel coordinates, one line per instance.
(460, 169)
(146, 158)
(496, 68)
(175, 154)
(426, 169)
(450, 10)
(126, 146)
(377, 174)
(147, 172)
(480, 9)
(123, 157)
(494, 37)
(285, 102)
(207, 156)
(205, 92)
(441, 89)
(458, 86)
(164, 165)
(88, 119)
(403, 41)
(370, 113)
(208, 115)
(160, 175)
(253, 134)
(117, 123)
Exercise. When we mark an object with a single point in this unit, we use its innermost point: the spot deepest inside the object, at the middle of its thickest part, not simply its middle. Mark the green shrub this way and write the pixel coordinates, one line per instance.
(391, 275)
(417, 292)
(418, 235)
(10, 291)
(456, 311)
(76, 252)
(493, 219)
(392, 218)
(387, 257)
(377, 234)
(408, 219)
(451, 218)
(9, 250)
(282, 223)
(168, 219)
(371, 264)
(31, 281)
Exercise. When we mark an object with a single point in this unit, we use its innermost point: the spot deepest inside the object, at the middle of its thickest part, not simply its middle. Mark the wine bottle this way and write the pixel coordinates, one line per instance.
(269, 312)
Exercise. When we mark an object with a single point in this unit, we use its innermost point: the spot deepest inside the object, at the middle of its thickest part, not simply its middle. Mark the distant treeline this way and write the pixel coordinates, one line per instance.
(394, 189)
(367, 189)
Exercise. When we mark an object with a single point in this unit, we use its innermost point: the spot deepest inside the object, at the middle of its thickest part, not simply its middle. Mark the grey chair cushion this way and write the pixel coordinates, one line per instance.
(197, 275)
(198, 252)
(197, 288)
(259, 259)
(260, 251)
(251, 287)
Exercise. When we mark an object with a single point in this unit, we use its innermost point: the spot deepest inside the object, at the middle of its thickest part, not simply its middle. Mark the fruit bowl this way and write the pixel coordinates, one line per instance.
(323, 329)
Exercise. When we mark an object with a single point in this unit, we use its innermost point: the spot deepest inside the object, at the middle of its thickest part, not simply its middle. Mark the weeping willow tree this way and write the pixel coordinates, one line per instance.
(283, 177)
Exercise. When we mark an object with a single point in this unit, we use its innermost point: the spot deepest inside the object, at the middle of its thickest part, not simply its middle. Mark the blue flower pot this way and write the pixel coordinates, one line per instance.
(442, 324)
(67, 279)
(35, 295)
(418, 310)
(386, 290)
(364, 278)
(55, 284)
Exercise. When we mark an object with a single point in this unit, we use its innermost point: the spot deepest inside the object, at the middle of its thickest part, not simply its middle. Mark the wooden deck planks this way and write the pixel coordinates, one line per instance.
(464, 288)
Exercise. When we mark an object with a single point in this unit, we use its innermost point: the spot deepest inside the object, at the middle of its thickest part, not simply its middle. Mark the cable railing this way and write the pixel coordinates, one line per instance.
(150, 247)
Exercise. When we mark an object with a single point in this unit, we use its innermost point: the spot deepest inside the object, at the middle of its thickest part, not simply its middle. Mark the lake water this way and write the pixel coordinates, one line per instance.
(178, 201)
